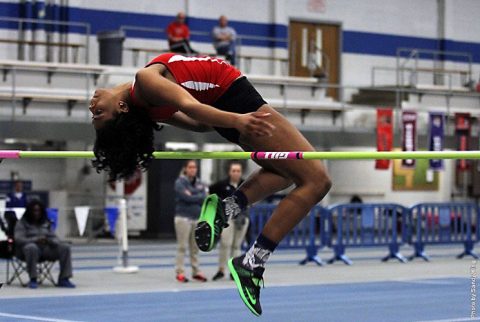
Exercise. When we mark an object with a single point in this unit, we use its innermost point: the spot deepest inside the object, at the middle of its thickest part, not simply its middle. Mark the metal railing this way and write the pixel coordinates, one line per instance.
(415, 54)
(408, 68)
(239, 44)
(35, 25)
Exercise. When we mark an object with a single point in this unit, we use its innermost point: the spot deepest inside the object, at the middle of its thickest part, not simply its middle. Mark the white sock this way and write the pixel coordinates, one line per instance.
(256, 257)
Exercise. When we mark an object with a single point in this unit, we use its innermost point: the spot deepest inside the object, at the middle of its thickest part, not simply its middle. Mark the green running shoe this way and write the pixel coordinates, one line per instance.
(210, 224)
(248, 283)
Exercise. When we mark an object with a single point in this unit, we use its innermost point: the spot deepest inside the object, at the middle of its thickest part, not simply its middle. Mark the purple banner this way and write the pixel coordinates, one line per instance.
(436, 137)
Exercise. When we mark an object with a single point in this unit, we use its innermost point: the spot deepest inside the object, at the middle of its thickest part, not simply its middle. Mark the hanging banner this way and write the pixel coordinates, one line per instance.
(112, 216)
(81, 214)
(384, 135)
(18, 212)
(436, 137)
(409, 136)
(462, 134)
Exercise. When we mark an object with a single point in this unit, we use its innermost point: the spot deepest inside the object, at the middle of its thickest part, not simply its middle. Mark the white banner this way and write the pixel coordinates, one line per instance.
(81, 214)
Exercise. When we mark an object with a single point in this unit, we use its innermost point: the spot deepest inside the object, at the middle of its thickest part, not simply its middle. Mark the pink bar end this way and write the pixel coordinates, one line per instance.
(9, 154)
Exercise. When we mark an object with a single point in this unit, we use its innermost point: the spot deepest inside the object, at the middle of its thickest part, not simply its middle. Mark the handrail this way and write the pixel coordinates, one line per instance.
(412, 70)
(125, 28)
(435, 51)
(417, 52)
(84, 25)
(238, 42)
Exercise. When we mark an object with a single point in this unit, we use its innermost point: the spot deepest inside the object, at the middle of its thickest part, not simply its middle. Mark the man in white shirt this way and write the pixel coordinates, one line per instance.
(224, 39)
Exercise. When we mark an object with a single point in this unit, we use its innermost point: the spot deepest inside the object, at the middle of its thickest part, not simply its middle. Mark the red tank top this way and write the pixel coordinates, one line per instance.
(205, 78)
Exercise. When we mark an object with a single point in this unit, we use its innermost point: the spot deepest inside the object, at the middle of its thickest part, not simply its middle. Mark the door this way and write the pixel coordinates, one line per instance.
(314, 51)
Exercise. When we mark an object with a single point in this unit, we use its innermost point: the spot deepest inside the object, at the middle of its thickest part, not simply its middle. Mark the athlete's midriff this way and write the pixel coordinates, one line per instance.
(205, 78)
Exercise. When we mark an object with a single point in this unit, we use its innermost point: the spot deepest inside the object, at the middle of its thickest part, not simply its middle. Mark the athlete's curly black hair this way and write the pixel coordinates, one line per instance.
(124, 144)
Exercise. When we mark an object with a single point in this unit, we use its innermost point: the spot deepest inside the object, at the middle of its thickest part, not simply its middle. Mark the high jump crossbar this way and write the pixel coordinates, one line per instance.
(337, 155)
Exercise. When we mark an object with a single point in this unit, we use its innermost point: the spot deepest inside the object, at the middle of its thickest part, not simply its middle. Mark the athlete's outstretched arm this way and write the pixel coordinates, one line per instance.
(183, 121)
(157, 90)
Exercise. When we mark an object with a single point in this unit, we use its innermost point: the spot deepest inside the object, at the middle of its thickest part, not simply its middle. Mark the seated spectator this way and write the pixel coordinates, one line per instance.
(34, 241)
(224, 39)
(17, 198)
(179, 36)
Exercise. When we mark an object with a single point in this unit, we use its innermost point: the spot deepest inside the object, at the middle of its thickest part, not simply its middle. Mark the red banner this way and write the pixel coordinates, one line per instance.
(409, 136)
(384, 135)
(462, 133)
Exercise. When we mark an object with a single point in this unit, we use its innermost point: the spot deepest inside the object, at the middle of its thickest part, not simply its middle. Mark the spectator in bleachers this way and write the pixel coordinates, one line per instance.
(179, 36)
(232, 236)
(224, 39)
(17, 198)
(189, 195)
(34, 241)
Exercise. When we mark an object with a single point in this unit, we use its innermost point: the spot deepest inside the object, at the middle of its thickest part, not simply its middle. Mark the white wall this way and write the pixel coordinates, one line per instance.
(163, 7)
(462, 20)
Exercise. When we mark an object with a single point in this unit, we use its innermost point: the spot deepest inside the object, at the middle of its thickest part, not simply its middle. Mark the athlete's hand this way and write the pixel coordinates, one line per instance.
(255, 124)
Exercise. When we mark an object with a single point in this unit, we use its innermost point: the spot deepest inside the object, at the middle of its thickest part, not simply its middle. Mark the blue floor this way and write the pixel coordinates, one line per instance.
(435, 299)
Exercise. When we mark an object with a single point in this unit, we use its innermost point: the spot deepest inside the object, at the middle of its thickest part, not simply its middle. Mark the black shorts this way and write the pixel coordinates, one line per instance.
(242, 98)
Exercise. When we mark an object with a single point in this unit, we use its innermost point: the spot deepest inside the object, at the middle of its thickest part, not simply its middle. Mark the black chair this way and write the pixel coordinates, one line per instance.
(18, 266)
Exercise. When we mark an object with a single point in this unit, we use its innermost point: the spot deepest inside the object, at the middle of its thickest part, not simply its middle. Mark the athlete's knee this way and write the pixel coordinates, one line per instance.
(319, 183)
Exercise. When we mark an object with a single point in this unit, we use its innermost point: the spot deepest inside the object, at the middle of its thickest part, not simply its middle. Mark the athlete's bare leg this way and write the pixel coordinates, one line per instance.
(310, 177)
(263, 183)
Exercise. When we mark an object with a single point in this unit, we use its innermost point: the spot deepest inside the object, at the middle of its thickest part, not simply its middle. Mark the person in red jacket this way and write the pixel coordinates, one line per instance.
(201, 94)
(179, 35)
